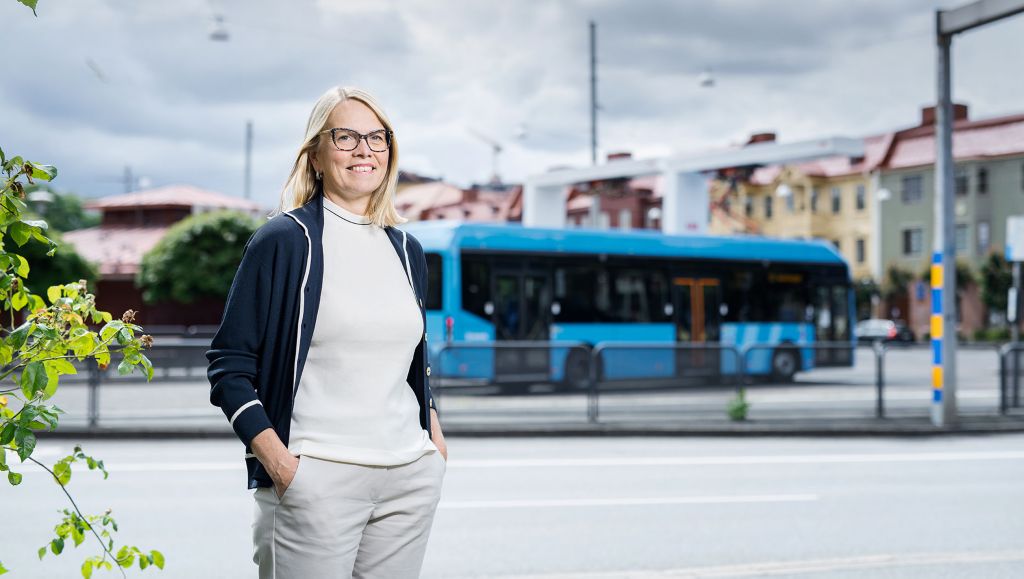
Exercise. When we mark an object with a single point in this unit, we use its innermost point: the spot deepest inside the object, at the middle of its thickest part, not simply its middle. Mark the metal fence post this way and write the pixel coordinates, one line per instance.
(95, 377)
(592, 395)
(1002, 378)
(879, 350)
(1016, 374)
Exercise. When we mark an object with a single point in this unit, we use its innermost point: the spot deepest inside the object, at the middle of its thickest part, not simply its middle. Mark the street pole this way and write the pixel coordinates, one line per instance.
(943, 271)
(595, 197)
(248, 160)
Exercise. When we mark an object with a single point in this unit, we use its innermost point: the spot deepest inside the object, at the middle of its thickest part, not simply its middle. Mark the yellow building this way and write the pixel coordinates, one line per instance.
(828, 200)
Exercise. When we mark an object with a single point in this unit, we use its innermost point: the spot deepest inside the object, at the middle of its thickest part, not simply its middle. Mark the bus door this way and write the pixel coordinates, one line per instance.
(522, 312)
(697, 302)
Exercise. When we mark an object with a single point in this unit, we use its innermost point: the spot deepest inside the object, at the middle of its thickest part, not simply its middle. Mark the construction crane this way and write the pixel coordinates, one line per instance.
(496, 149)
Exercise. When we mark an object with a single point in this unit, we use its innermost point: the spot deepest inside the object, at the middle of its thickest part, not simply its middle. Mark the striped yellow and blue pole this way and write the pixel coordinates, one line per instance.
(936, 329)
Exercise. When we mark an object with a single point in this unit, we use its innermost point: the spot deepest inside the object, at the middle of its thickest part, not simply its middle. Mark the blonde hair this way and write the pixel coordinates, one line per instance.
(301, 186)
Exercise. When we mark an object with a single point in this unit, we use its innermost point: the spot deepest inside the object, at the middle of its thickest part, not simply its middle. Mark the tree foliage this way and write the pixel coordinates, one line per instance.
(197, 258)
(996, 279)
(59, 329)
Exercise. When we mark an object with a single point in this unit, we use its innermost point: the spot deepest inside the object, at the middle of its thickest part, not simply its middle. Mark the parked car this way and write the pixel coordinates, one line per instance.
(884, 330)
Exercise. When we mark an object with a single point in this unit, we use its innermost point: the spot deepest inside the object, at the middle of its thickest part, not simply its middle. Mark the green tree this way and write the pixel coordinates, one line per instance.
(197, 258)
(996, 280)
(896, 281)
(61, 211)
(49, 270)
(864, 290)
(35, 354)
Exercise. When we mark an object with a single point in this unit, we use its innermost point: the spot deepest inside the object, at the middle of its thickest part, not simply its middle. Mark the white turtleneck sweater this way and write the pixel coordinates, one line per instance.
(354, 403)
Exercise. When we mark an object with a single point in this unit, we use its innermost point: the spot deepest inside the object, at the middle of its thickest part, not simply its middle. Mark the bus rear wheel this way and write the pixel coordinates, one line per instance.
(577, 371)
(785, 364)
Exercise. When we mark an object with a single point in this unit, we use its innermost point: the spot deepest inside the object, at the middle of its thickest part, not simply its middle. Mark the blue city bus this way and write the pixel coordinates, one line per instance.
(496, 283)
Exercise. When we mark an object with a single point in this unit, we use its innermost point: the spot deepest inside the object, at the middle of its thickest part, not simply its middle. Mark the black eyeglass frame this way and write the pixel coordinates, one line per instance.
(387, 138)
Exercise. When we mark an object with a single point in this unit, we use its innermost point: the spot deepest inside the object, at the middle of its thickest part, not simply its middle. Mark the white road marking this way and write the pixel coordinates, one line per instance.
(626, 501)
(169, 466)
(776, 568)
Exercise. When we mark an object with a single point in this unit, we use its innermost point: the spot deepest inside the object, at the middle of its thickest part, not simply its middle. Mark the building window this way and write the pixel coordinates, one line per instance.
(814, 200)
(861, 198)
(604, 220)
(837, 200)
(860, 250)
(748, 206)
(911, 189)
(912, 239)
(982, 180)
(961, 237)
(960, 179)
(625, 219)
(791, 202)
(768, 206)
(983, 237)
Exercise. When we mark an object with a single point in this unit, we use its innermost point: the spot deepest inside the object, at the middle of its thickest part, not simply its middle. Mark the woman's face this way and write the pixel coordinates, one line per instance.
(355, 173)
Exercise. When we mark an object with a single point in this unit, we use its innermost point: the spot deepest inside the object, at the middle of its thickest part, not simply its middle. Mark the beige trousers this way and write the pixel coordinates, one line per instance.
(340, 520)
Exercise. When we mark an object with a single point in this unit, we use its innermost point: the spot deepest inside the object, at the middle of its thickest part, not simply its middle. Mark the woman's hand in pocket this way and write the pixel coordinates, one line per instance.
(285, 474)
(437, 436)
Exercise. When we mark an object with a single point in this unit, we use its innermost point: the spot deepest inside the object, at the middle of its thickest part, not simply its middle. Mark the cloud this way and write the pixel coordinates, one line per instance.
(172, 104)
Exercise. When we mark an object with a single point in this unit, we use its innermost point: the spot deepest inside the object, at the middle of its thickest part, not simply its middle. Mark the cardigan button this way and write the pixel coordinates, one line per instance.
(428, 370)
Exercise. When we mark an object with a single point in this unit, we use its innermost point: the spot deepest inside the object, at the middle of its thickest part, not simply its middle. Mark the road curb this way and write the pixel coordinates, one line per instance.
(915, 428)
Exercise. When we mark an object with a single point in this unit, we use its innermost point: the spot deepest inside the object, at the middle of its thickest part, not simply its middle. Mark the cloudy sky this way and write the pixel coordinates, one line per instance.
(93, 86)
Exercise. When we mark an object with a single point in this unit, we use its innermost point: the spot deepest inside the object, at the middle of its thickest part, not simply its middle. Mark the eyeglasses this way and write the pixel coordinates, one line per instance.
(347, 139)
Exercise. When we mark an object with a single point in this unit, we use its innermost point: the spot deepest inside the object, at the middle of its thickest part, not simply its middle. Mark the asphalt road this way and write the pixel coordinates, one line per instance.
(942, 507)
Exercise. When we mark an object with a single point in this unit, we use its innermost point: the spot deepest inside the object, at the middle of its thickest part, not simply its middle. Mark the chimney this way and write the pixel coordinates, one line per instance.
(928, 114)
(620, 156)
(768, 137)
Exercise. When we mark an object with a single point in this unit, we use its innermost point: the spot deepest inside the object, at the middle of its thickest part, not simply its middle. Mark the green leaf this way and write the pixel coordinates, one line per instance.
(158, 559)
(110, 329)
(26, 446)
(31, 4)
(42, 552)
(14, 478)
(87, 565)
(62, 366)
(36, 303)
(6, 354)
(145, 561)
(20, 232)
(19, 336)
(56, 546)
(52, 379)
(21, 266)
(125, 367)
(125, 557)
(33, 379)
(7, 433)
(2, 568)
(77, 536)
(53, 293)
(19, 300)
(62, 470)
(147, 366)
(43, 172)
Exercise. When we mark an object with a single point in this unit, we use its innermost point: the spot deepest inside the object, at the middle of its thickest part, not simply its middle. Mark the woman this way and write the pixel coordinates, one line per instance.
(320, 362)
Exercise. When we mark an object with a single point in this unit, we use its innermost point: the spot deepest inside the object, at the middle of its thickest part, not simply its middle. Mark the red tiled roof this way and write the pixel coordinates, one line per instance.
(116, 250)
(173, 196)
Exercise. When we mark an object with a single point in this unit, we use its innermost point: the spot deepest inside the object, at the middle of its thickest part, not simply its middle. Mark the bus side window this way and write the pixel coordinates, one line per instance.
(476, 286)
(434, 284)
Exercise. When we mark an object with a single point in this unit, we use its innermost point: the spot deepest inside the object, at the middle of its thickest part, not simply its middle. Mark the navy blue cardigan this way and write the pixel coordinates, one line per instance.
(257, 356)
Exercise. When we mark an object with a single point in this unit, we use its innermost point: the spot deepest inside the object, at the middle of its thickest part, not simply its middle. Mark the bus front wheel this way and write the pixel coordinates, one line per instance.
(785, 364)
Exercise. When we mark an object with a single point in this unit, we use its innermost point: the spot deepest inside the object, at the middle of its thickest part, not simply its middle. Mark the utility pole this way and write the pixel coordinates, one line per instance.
(943, 272)
(248, 160)
(129, 179)
(593, 93)
(595, 197)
